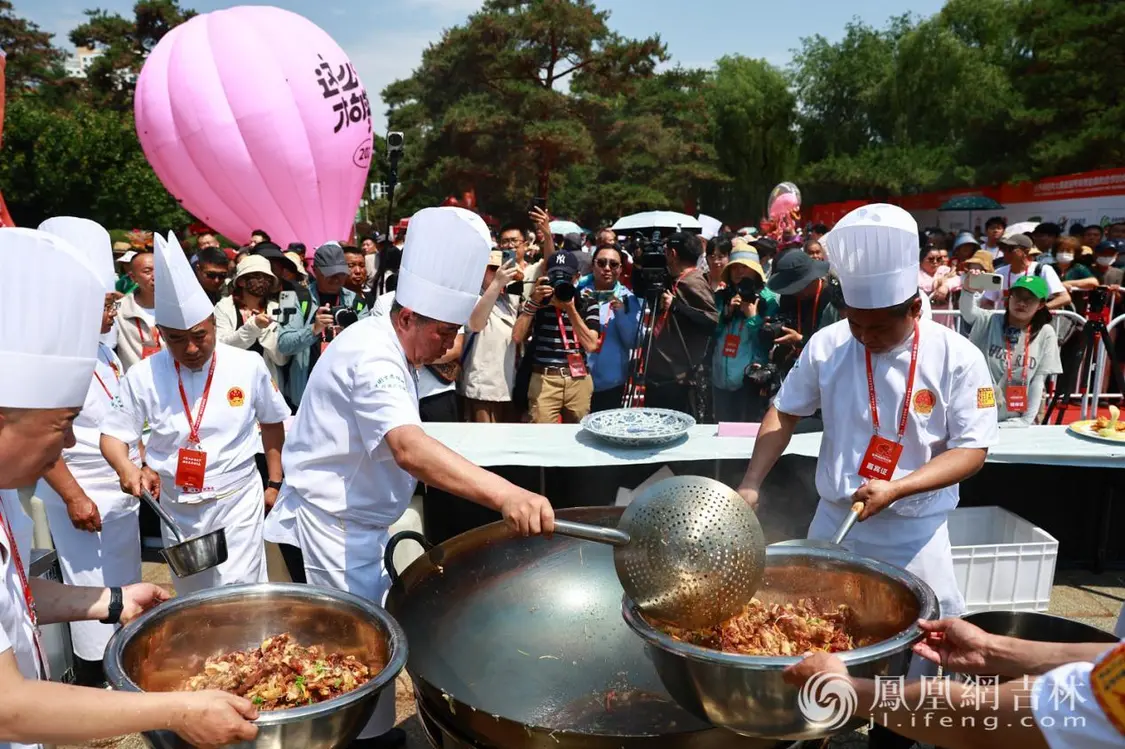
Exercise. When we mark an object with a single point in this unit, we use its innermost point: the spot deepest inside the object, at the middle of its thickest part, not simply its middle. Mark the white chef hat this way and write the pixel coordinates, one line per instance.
(51, 304)
(181, 303)
(443, 263)
(874, 251)
(89, 238)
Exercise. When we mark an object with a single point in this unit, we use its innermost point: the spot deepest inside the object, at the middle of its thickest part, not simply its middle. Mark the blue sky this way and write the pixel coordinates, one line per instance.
(385, 38)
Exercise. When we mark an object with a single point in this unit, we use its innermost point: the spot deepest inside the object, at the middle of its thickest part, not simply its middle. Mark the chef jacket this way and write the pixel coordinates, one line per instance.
(16, 632)
(1075, 709)
(242, 396)
(85, 460)
(335, 456)
(953, 405)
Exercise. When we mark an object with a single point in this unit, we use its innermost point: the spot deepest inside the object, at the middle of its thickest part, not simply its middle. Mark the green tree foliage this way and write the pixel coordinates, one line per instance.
(82, 161)
(32, 60)
(124, 44)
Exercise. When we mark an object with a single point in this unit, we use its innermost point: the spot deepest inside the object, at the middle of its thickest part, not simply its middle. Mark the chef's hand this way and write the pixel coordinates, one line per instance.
(136, 481)
(139, 598)
(817, 663)
(876, 496)
(955, 644)
(528, 513)
(214, 718)
(750, 495)
(84, 514)
(271, 498)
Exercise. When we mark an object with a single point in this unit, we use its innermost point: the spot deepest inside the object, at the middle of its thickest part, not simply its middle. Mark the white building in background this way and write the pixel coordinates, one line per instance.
(78, 63)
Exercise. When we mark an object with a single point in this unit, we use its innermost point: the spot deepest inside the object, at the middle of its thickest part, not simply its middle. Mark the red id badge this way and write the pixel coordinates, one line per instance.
(730, 346)
(577, 364)
(1015, 396)
(147, 351)
(881, 459)
(190, 467)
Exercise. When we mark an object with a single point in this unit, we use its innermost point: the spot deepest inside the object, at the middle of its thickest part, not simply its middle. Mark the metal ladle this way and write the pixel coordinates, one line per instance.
(188, 557)
(841, 533)
(688, 551)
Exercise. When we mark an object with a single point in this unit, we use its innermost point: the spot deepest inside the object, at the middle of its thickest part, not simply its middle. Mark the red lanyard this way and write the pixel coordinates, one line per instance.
(141, 334)
(27, 597)
(815, 304)
(664, 315)
(1026, 351)
(909, 388)
(116, 376)
(193, 434)
(562, 330)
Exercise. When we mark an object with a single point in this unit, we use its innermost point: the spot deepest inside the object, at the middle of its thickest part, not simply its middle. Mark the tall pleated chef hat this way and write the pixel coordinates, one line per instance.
(874, 251)
(443, 263)
(181, 303)
(51, 303)
(89, 238)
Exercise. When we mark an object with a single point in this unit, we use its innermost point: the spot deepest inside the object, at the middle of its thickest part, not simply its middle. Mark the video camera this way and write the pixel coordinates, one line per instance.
(650, 264)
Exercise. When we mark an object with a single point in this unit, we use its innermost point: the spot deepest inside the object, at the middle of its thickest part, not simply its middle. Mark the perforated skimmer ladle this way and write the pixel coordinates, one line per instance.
(688, 551)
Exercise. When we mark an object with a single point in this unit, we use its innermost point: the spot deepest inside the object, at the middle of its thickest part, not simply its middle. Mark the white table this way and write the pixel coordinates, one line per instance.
(566, 445)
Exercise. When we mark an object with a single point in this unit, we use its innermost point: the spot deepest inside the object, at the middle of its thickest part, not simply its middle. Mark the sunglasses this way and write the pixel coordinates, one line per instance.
(215, 276)
(603, 263)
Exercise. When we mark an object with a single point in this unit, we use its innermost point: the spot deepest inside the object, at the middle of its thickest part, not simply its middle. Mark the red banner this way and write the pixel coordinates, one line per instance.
(5, 217)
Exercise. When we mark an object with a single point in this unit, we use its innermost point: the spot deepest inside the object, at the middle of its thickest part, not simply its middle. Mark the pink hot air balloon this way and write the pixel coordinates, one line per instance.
(254, 118)
(783, 200)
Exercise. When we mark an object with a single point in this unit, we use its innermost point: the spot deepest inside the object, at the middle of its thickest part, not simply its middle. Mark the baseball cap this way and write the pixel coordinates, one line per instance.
(793, 271)
(329, 260)
(1022, 241)
(1034, 284)
(562, 263)
(1108, 246)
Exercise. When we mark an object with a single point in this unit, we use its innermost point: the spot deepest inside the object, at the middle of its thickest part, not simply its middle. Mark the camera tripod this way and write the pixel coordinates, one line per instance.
(1095, 338)
(634, 396)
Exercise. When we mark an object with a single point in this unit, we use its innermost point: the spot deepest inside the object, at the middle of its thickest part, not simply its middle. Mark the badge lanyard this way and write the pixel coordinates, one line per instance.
(1016, 395)
(193, 433)
(574, 360)
(733, 340)
(29, 600)
(116, 376)
(815, 304)
(141, 335)
(664, 315)
(881, 458)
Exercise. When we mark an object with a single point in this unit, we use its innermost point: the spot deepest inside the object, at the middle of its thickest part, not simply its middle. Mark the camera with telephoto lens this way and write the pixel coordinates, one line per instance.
(772, 329)
(560, 282)
(650, 265)
(765, 378)
(342, 317)
(1096, 300)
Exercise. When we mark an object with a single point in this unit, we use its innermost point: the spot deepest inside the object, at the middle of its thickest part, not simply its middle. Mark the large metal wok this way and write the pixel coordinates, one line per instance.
(519, 643)
(746, 694)
(158, 651)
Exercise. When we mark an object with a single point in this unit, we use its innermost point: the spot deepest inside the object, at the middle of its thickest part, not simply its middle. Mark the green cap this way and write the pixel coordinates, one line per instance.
(1034, 284)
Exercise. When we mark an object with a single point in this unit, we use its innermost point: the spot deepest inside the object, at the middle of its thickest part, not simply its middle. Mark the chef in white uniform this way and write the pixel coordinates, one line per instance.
(908, 409)
(94, 524)
(203, 402)
(49, 352)
(357, 449)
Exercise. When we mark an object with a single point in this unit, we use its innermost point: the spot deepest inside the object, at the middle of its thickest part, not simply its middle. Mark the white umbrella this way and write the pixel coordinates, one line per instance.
(1023, 227)
(658, 220)
(566, 227)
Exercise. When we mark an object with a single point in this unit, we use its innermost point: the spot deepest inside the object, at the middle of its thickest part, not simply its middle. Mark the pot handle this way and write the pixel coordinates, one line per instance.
(389, 552)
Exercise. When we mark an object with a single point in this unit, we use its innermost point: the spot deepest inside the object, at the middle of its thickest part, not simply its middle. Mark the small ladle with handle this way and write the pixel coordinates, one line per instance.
(190, 556)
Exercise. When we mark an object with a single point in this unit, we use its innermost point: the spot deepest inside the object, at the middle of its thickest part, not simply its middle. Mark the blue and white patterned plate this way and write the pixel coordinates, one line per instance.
(638, 427)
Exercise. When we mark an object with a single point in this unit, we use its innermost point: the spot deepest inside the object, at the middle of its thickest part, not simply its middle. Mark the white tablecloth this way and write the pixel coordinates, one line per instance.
(567, 445)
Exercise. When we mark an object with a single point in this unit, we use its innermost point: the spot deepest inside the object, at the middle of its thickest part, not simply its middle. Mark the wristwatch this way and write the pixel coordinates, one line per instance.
(273, 485)
(116, 606)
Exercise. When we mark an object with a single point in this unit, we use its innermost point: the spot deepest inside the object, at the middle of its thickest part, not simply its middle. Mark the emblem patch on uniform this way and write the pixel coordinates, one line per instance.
(1108, 683)
(986, 398)
(236, 397)
(924, 401)
(390, 382)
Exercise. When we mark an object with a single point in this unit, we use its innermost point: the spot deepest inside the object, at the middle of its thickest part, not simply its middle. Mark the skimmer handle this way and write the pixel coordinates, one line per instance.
(595, 533)
(849, 521)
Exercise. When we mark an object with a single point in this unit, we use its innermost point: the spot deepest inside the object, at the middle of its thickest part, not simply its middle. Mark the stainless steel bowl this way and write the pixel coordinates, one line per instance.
(746, 694)
(158, 651)
(1031, 625)
(197, 554)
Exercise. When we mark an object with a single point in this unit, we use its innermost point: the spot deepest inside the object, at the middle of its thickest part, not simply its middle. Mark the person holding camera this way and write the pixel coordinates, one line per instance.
(306, 332)
(740, 369)
(563, 329)
(685, 323)
(619, 318)
(808, 302)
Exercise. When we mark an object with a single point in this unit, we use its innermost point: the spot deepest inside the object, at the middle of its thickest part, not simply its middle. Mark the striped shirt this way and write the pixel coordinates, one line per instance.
(547, 341)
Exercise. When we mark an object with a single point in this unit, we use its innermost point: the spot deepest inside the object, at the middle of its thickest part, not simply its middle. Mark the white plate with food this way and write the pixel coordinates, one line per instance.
(1110, 429)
